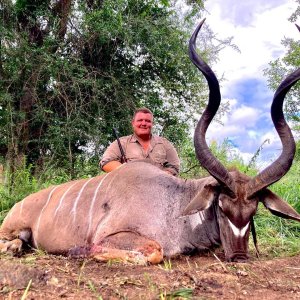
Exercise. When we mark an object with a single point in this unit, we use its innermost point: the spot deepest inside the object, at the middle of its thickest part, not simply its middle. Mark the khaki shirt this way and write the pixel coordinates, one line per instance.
(161, 152)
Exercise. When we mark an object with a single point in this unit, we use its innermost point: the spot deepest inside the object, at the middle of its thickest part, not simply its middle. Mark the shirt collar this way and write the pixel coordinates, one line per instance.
(154, 139)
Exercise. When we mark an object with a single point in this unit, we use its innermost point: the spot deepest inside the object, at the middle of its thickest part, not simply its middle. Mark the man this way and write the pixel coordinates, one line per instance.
(142, 144)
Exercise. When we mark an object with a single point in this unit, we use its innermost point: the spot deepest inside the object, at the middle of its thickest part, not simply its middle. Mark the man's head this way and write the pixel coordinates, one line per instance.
(142, 122)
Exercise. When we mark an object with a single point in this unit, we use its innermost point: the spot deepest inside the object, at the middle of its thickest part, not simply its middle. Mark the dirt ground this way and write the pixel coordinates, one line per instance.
(41, 276)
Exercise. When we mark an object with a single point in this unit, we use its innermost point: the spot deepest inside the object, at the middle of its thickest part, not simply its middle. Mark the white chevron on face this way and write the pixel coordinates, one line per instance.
(237, 231)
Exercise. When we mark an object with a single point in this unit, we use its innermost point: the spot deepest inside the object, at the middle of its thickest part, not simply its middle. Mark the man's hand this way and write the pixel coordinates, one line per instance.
(112, 165)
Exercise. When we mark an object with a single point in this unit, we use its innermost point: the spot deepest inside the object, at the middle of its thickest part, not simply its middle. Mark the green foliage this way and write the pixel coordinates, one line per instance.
(225, 153)
(84, 167)
(277, 236)
(71, 73)
(289, 186)
(228, 156)
(23, 184)
(189, 164)
(167, 265)
(183, 293)
(280, 68)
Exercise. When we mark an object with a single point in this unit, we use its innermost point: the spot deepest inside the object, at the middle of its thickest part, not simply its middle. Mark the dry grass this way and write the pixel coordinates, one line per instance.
(41, 276)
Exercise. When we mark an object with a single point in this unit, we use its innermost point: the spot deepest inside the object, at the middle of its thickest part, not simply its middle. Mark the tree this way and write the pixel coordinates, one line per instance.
(71, 70)
(280, 68)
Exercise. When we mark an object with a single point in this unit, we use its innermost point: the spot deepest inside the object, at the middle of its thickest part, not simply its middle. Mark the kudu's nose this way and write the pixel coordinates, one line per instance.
(238, 257)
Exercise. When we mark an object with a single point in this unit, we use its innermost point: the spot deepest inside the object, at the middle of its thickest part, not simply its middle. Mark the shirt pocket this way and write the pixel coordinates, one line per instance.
(158, 154)
(134, 152)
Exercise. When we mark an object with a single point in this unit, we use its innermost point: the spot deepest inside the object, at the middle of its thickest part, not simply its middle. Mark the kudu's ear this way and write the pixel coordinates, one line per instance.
(277, 206)
(202, 200)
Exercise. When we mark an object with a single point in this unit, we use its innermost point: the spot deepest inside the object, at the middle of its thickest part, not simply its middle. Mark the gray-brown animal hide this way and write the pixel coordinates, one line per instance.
(137, 197)
(142, 201)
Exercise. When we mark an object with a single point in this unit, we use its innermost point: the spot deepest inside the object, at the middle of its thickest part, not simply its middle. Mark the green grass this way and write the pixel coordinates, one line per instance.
(277, 236)
(167, 265)
(21, 184)
(8, 197)
(183, 293)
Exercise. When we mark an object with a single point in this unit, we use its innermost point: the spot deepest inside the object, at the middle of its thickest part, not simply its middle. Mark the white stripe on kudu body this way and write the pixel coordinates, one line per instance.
(39, 219)
(74, 209)
(21, 207)
(93, 202)
(62, 198)
(99, 226)
(238, 232)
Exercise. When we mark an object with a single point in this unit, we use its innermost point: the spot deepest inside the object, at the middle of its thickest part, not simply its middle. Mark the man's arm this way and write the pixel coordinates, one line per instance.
(173, 163)
(111, 158)
(110, 166)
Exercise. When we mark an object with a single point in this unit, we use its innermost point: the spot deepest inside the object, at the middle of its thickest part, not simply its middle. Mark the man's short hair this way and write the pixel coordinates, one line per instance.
(144, 110)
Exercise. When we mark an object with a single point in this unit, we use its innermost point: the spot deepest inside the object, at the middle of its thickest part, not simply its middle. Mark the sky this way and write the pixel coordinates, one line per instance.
(257, 27)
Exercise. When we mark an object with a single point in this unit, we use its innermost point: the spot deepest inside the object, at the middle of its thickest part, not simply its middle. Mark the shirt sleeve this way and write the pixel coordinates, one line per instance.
(112, 153)
(173, 163)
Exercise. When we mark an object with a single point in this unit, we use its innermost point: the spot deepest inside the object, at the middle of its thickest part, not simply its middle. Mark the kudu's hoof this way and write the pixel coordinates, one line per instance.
(13, 247)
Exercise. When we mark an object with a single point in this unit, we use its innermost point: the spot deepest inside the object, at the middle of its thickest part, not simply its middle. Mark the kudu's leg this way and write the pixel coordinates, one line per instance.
(12, 241)
(9, 242)
(126, 247)
(14, 246)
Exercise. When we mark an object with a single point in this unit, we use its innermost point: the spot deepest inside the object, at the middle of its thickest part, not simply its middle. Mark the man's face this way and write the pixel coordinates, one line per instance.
(142, 124)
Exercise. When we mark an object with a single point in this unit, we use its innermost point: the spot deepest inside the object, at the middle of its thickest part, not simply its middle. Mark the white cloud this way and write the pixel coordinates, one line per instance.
(245, 116)
(236, 125)
(238, 119)
(257, 27)
(243, 12)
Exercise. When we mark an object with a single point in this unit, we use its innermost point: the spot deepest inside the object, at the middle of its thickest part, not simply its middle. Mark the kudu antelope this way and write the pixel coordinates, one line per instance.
(139, 213)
